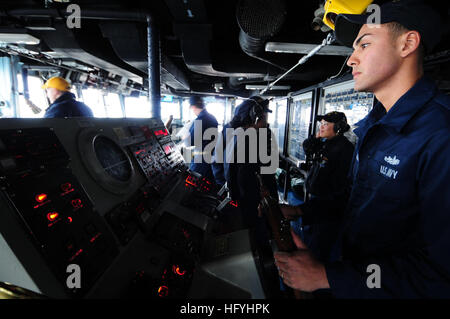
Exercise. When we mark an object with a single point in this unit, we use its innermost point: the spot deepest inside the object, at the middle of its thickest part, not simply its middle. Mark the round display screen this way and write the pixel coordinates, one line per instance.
(113, 159)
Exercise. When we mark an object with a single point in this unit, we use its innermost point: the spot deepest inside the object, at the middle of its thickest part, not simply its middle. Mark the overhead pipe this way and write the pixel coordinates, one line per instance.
(154, 67)
(303, 48)
(91, 14)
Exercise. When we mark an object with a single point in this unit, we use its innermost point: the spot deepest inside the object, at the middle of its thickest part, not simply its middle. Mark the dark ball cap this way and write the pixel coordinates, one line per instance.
(332, 117)
(412, 14)
(197, 101)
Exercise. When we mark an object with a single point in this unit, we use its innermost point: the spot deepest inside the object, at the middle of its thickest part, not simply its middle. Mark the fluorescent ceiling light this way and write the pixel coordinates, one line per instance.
(262, 87)
(303, 48)
(18, 38)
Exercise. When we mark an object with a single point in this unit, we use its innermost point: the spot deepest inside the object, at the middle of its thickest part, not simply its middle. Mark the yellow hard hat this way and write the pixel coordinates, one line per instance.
(335, 7)
(57, 83)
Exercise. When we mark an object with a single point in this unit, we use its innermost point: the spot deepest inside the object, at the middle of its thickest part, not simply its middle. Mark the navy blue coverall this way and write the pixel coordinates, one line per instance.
(207, 121)
(398, 216)
(67, 106)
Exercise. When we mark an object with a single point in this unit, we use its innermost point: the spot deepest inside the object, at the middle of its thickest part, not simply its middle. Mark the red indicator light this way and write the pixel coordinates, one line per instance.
(76, 254)
(52, 216)
(41, 197)
(66, 187)
(177, 271)
(189, 181)
(161, 132)
(186, 233)
(95, 237)
(235, 204)
(76, 203)
(163, 291)
(70, 219)
(167, 149)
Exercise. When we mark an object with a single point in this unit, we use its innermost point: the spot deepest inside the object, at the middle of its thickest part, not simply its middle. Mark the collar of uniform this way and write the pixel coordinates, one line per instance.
(374, 116)
(409, 104)
(202, 114)
(65, 96)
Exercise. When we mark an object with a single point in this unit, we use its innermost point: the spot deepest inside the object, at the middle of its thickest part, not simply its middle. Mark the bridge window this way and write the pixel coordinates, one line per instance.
(112, 105)
(217, 109)
(137, 107)
(37, 97)
(187, 113)
(94, 99)
(103, 104)
(170, 108)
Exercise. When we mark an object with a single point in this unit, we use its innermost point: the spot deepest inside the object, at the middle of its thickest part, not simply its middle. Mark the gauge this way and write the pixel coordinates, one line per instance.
(106, 161)
(112, 158)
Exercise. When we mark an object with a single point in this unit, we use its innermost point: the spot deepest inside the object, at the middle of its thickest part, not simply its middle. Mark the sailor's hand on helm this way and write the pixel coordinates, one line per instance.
(300, 269)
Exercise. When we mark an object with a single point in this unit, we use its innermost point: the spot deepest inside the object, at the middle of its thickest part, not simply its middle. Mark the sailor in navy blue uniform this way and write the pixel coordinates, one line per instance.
(201, 162)
(396, 237)
(63, 103)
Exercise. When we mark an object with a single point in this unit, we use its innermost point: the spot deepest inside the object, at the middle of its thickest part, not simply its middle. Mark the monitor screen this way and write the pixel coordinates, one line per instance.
(299, 121)
(277, 120)
(343, 98)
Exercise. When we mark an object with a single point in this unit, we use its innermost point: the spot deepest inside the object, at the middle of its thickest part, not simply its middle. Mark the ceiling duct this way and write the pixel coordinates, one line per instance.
(85, 48)
(195, 41)
(127, 43)
(259, 20)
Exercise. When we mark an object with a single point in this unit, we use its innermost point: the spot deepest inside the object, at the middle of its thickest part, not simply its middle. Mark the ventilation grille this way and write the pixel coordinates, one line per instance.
(261, 18)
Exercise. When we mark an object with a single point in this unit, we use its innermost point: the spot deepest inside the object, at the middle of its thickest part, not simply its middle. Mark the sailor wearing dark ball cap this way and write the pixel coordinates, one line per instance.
(396, 234)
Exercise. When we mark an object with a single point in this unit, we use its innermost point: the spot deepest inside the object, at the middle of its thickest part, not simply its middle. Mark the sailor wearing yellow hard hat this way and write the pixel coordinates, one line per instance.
(57, 83)
(62, 101)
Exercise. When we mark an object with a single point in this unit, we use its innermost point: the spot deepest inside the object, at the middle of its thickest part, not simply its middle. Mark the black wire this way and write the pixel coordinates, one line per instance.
(343, 65)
